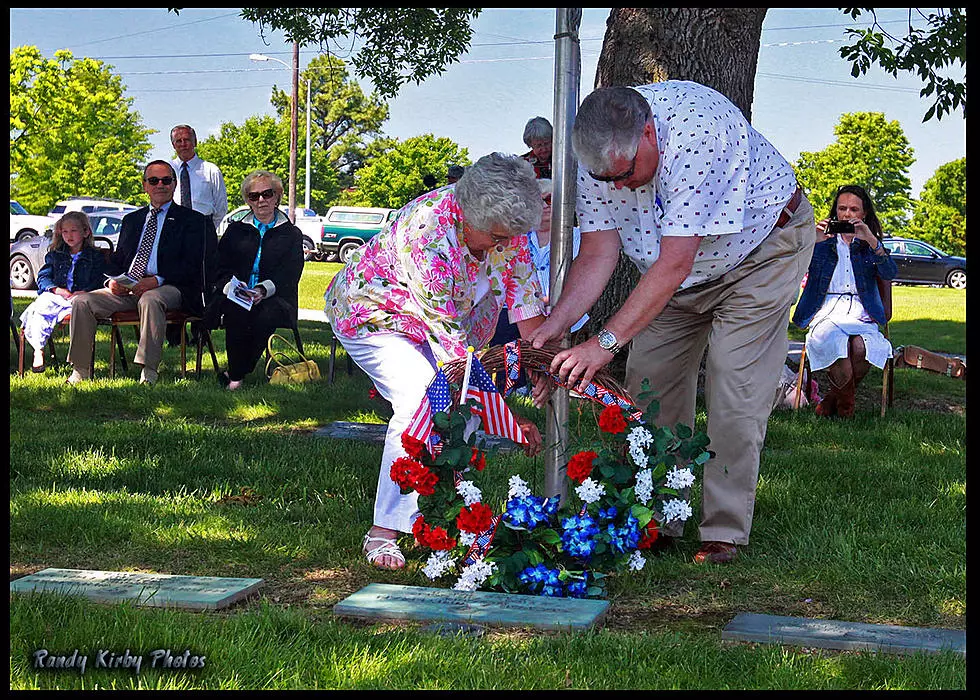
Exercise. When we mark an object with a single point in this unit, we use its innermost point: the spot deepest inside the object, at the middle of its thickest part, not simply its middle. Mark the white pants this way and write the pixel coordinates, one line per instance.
(401, 369)
(40, 318)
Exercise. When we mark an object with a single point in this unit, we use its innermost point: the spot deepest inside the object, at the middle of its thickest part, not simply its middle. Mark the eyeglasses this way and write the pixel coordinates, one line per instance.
(546, 199)
(158, 180)
(264, 194)
(616, 178)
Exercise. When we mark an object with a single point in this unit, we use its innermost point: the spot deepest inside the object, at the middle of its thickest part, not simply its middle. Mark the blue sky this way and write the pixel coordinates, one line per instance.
(194, 68)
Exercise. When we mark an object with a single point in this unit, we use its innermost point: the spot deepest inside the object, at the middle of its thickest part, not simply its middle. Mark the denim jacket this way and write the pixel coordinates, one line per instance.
(88, 273)
(867, 266)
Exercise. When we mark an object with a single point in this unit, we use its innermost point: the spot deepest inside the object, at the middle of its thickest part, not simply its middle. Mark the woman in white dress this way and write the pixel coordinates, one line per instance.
(73, 265)
(841, 305)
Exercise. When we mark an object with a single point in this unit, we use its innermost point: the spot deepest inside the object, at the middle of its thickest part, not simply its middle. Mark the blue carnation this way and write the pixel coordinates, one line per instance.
(578, 535)
(541, 578)
(608, 513)
(530, 511)
(626, 538)
(576, 588)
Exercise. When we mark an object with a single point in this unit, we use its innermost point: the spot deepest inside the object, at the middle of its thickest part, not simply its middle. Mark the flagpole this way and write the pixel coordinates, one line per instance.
(466, 374)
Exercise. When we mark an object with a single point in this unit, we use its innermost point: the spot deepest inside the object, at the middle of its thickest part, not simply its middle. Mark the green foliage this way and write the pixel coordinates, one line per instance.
(870, 151)
(394, 176)
(940, 213)
(395, 45)
(921, 52)
(343, 120)
(72, 132)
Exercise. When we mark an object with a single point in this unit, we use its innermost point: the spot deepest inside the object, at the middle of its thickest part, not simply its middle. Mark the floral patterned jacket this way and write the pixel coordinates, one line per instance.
(417, 278)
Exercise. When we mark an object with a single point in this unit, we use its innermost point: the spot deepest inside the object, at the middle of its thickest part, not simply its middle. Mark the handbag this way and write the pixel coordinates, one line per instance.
(280, 370)
(919, 358)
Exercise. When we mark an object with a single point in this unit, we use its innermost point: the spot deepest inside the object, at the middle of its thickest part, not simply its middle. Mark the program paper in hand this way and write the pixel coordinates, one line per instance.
(124, 279)
(239, 293)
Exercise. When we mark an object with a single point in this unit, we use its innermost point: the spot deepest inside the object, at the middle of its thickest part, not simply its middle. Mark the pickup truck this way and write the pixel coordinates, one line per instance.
(345, 229)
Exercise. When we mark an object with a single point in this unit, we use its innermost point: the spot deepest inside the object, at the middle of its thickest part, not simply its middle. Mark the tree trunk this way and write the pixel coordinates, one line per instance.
(717, 47)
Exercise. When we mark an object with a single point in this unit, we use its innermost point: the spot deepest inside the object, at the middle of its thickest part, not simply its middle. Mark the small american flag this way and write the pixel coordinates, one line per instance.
(497, 418)
(438, 397)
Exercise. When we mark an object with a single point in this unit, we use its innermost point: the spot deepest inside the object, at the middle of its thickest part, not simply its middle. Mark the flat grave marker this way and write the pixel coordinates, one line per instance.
(393, 602)
(153, 590)
(836, 634)
(375, 432)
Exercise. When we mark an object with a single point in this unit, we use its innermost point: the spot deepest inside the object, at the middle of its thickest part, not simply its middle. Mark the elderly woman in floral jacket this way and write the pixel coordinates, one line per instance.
(425, 288)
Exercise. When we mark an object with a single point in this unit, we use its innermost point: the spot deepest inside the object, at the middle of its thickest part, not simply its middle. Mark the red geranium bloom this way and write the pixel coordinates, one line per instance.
(478, 460)
(403, 472)
(475, 518)
(425, 481)
(611, 420)
(439, 539)
(412, 445)
(580, 466)
(650, 534)
(420, 530)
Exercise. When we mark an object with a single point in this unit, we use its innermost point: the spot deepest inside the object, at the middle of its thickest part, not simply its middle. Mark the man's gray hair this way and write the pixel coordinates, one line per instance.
(608, 126)
(255, 175)
(500, 191)
(537, 129)
(183, 126)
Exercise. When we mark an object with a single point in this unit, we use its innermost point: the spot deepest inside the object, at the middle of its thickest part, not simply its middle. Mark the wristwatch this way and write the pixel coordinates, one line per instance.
(607, 341)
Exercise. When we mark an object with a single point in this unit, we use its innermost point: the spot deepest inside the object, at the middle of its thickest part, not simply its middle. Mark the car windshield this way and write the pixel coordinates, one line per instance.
(16, 208)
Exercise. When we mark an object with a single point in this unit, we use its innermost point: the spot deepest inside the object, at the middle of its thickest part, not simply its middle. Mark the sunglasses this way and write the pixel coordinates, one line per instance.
(615, 178)
(264, 194)
(157, 180)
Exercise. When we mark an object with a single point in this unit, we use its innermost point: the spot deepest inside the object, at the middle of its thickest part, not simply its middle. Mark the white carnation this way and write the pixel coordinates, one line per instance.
(466, 538)
(474, 575)
(590, 491)
(639, 440)
(517, 488)
(438, 564)
(470, 493)
(676, 509)
(680, 478)
(644, 486)
(636, 561)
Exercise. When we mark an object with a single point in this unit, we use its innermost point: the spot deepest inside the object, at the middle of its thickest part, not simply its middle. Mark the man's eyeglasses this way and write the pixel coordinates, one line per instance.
(264, 194)
(615, 178)
(157, 180)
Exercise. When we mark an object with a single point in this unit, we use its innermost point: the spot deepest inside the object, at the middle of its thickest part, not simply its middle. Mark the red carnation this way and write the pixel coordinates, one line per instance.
(475, 518)
(580, 466)
(403, 473)
(650, 534)
(412, 445)
(478, 460)
(611, 420)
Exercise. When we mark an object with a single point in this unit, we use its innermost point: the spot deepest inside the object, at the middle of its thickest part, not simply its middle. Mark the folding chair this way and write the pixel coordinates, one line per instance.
(131, 318)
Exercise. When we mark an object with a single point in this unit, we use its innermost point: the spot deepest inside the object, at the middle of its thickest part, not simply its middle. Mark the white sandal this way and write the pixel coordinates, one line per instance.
(387, 547)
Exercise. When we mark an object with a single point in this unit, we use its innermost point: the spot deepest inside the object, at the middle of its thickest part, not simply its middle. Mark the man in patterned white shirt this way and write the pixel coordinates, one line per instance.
(711, 214)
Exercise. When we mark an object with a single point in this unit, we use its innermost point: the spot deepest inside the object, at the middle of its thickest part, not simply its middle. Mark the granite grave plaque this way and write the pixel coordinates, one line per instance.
(389, 601)
(154, 590)
(836, 634)
(375, 432)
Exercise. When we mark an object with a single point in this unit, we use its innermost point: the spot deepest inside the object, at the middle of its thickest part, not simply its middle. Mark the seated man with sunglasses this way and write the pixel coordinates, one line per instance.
(711, 214)
(161, 250)
(265, 252)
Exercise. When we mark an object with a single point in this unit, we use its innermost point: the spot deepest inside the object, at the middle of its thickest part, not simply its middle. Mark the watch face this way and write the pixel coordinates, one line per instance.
(606, 340)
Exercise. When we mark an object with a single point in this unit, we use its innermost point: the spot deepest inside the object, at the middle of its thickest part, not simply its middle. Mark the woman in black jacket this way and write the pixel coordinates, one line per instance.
(263, 253)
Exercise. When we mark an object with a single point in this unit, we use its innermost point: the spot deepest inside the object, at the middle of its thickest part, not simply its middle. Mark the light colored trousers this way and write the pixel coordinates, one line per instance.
(742, 318)
(401, 369)
(86, 309)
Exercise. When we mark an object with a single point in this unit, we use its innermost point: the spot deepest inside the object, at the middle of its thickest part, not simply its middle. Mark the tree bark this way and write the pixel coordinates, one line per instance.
(717, 47)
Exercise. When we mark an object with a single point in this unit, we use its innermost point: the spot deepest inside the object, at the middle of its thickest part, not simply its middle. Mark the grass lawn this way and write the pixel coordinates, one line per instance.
(861, 520)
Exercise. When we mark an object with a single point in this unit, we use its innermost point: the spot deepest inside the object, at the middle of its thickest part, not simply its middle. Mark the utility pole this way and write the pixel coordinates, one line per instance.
(293, 134)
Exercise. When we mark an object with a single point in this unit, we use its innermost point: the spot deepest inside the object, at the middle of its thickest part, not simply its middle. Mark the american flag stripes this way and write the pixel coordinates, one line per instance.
(497, 418)
(438, 397)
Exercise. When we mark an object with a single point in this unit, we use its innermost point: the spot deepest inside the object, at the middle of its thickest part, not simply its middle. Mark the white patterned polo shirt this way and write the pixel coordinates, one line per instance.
(717, 178)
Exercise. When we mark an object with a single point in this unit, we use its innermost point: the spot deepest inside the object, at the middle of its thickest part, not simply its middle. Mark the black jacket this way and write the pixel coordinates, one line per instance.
(180, 254)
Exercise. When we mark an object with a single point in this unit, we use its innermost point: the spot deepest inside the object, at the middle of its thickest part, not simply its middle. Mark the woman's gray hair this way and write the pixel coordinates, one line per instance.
(537, 129)
(544, 186)
(255, 175)
(608, 126)
(500, 191)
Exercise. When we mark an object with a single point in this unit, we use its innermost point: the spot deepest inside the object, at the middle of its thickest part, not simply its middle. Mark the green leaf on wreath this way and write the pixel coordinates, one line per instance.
(642, 514)
(548, 536)
(702, 458)
(658, 472)
(533, 557)
(440, 420)
(594, 592)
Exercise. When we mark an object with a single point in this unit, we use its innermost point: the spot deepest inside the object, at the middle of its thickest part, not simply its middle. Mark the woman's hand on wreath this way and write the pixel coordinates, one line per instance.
(533, 435)
(576, 366)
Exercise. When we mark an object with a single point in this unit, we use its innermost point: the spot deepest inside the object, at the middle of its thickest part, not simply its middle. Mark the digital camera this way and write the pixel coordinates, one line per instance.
(835, 227)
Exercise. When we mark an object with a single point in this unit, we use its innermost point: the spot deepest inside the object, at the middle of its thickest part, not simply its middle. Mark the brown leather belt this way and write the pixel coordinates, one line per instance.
(787, 213)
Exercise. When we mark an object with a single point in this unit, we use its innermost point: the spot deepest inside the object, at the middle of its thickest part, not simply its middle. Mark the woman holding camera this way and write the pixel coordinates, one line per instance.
(841, 304)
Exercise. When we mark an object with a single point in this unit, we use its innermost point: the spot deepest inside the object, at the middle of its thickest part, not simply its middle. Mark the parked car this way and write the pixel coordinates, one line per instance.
(24, 225)
(921, 263)
(306, 220)
(27, 256)
(345, 229)
(89, 205)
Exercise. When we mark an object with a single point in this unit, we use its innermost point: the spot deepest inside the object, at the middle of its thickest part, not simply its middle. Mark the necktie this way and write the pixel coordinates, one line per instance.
(138, 269)
(185, 186)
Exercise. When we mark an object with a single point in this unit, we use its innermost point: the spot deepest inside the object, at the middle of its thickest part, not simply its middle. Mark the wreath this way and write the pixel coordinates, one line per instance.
(622, 488)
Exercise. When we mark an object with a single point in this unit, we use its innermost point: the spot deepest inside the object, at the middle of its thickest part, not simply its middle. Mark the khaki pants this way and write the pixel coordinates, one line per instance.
(86, 309)
(742, 318)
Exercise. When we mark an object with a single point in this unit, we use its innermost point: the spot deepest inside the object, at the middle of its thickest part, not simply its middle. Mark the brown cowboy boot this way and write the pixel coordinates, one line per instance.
(845, 399)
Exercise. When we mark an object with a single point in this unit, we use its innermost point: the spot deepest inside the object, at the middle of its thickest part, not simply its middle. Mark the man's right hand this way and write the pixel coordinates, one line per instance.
(117, 289)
